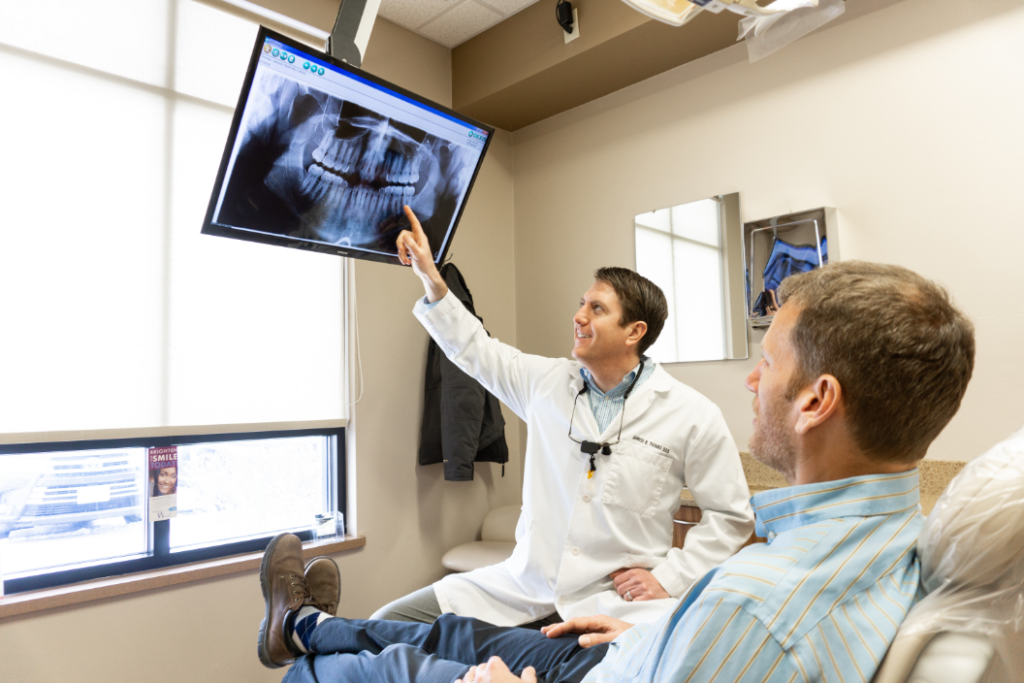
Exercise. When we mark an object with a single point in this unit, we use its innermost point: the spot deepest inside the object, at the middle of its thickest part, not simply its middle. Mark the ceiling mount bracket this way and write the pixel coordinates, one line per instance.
(352, 28)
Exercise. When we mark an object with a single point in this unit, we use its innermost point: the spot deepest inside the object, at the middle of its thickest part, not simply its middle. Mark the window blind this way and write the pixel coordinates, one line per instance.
(117, 313)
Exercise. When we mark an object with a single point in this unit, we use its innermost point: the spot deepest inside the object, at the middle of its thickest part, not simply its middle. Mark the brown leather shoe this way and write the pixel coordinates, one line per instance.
(285, 590)
(324, 583)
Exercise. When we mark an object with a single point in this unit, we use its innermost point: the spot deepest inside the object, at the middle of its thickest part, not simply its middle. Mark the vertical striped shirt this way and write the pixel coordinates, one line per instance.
(606, 406)
(820, 601)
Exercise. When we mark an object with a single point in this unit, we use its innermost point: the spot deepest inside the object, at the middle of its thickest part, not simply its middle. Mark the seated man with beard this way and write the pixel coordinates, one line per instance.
(863, 366)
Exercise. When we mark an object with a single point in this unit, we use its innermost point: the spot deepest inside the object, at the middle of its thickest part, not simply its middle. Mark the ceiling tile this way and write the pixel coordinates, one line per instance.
(509, 7)
(414, 13)
(460, 24)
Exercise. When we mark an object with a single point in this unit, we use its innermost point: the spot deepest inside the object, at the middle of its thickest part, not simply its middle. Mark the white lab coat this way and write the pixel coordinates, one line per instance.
(574, 531)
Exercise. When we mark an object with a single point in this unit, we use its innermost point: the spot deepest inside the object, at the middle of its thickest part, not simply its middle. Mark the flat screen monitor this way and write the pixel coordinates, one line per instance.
(323, 156)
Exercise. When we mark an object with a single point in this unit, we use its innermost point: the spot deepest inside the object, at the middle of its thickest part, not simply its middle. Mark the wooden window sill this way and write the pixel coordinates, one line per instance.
(87, 591)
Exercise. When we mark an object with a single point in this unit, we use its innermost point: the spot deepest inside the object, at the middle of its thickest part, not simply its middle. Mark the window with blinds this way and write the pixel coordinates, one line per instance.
(124, 328)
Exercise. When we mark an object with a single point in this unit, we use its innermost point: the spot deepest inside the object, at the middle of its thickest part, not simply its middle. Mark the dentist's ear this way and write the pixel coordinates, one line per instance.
(639, 329)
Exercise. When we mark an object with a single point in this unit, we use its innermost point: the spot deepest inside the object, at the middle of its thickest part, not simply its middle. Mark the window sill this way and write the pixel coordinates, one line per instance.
(36, 601)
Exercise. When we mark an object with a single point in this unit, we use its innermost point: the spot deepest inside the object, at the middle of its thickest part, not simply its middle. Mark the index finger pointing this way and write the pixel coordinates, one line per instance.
(417, 229)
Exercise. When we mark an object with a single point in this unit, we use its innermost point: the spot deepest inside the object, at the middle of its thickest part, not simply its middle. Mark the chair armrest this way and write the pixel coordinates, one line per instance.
(937, 658)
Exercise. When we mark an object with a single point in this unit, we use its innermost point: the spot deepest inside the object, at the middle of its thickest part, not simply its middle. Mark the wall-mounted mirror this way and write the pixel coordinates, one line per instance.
(694, 252)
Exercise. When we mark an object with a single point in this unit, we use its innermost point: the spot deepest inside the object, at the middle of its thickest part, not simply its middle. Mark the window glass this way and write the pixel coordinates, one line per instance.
(699, 315)
(654, 261)
(232, 490)
(60, 511)
(658, 220)
(70, 508)
(697, 221)
(679, 250)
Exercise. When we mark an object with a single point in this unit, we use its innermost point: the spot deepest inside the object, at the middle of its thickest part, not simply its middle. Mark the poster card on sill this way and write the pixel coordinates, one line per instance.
(163, 483)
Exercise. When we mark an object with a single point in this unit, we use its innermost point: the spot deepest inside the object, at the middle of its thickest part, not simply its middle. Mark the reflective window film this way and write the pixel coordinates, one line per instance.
(71, 508)
(233, 490)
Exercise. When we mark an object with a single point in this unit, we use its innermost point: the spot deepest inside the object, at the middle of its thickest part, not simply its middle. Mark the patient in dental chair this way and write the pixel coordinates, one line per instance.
(863, 366)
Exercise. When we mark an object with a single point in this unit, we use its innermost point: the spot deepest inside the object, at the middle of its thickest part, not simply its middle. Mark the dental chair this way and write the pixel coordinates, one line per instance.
(969, 626)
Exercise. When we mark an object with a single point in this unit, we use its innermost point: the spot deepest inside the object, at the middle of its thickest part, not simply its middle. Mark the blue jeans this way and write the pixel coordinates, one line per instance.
(365, 651)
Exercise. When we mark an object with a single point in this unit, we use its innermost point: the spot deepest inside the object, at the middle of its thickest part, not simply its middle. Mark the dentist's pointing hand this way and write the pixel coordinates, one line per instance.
(414, 250)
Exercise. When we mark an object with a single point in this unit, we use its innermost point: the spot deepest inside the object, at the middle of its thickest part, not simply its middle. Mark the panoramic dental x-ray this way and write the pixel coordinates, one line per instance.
(317, 167)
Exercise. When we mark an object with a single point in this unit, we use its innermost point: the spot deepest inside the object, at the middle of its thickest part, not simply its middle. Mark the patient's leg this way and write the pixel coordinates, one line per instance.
(370, 650)
(298, 628)
(397, 663)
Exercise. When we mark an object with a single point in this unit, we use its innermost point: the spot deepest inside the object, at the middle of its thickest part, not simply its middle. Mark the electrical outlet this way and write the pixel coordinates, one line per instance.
(575, 27)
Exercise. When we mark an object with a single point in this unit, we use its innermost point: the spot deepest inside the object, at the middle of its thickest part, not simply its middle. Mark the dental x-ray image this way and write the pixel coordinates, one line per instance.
(313, 166)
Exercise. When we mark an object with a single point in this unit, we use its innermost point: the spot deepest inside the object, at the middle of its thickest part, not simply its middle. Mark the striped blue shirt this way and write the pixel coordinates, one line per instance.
(606, 406)
(820, 601)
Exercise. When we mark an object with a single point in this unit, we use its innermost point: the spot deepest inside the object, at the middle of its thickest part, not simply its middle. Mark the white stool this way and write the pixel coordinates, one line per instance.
(498, 540)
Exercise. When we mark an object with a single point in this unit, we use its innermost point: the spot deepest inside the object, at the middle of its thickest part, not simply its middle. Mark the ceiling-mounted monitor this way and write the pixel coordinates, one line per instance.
(323, 156)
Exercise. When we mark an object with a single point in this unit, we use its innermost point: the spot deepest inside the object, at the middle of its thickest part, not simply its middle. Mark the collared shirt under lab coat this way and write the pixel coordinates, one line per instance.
(574, 531)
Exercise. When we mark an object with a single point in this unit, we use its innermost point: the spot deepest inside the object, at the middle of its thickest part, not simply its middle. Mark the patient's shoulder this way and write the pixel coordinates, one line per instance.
(817, 570)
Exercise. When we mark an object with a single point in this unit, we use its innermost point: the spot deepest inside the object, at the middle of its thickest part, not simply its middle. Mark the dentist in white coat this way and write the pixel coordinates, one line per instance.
(612, 440)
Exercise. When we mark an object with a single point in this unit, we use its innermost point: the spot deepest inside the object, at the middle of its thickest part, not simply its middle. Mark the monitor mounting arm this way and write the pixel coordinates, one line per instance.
(352, 28)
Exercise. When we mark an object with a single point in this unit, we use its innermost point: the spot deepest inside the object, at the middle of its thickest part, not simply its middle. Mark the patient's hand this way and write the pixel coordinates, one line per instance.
(495, 671)
(638, 584)
(596, 630)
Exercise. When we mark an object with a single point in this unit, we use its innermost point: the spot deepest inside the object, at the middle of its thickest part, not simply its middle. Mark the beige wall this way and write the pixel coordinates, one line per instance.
(905, 116)
(410, 515)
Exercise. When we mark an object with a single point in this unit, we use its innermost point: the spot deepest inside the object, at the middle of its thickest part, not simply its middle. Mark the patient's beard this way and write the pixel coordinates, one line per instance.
(772, 440)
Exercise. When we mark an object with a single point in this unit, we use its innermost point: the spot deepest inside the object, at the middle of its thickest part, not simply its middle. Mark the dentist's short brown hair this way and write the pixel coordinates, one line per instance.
(641, 300)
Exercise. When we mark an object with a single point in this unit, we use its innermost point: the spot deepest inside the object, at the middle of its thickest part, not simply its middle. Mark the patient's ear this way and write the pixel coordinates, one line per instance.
(818, 402)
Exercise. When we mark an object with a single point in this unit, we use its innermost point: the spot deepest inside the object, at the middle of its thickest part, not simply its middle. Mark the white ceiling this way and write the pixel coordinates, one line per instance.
(451, 22)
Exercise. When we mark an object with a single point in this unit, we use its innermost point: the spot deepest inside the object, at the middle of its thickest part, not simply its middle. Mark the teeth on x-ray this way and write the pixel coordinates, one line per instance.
(340, 171)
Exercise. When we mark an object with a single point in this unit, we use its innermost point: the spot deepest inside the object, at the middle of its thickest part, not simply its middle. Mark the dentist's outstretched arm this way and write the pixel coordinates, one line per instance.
(414, 250)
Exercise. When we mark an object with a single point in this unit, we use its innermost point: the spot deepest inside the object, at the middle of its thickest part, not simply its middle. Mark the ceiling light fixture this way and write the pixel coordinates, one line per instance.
(678, 12)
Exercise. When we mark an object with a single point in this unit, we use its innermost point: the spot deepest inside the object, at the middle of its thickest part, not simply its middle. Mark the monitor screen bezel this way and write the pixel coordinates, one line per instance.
(220, 230)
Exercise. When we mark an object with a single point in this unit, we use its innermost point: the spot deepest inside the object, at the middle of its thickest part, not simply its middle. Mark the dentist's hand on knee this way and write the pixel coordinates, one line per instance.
(414, 250)
(495, 671)
(595, 630)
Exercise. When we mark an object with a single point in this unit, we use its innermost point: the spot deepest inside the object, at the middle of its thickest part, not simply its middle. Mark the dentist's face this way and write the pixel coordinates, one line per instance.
(598, 334)
(775, 412)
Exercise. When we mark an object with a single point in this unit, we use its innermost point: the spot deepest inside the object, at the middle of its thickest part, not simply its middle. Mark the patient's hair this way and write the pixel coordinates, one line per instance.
(640, 298)
(903, 354)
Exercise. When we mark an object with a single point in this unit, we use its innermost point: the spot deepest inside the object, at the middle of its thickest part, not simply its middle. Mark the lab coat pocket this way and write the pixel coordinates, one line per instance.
(636, 478)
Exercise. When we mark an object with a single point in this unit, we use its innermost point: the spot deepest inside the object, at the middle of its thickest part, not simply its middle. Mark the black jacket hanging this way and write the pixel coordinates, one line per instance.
(462, 421)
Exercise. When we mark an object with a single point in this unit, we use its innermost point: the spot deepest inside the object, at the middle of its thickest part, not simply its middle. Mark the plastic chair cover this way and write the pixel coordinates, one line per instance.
(972, 564)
